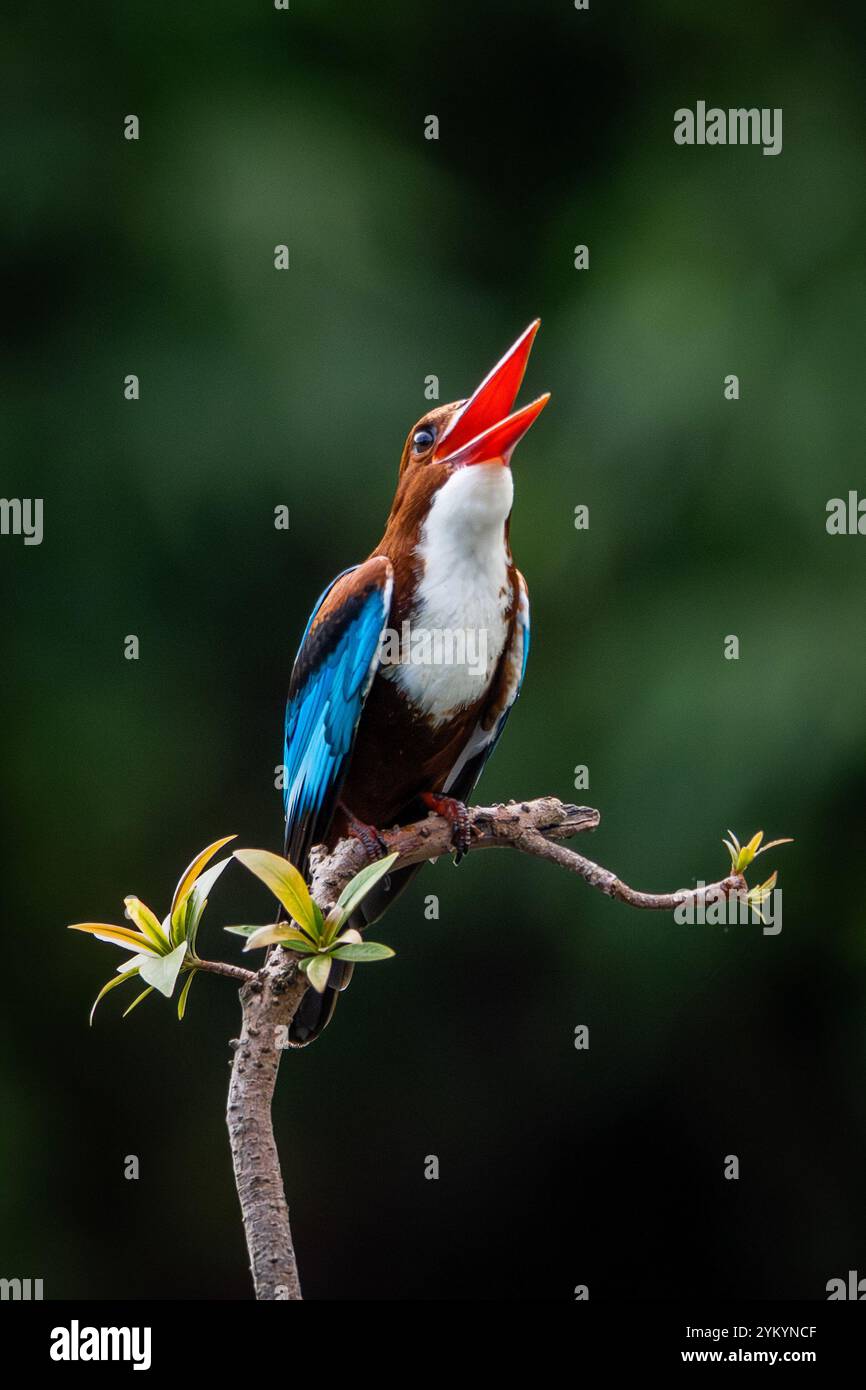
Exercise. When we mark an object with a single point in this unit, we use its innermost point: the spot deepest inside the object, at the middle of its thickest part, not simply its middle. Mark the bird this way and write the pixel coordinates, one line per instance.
(373, 736)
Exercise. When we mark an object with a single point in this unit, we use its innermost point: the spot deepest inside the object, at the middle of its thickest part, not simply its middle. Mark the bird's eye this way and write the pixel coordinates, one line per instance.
(422, 439)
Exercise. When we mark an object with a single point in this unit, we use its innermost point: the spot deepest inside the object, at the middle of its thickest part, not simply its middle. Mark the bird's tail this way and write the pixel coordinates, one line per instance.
(315, 1010)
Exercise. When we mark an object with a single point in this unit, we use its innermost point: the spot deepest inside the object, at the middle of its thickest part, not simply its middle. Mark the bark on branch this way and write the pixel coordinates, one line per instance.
(270, 998)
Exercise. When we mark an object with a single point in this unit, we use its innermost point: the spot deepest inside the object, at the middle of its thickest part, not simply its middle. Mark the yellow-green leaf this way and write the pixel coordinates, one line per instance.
(181, 1002)
(749, 851)
(112, 984)
(771, 844)
(190, 912)
(349, 935)
(318, 971)
(762, 891)
(123, 936)
(280, 934)
(358, 887)
(146, 921)
(284, 881)
(137, 1000)
(191, 873)
(162, 972)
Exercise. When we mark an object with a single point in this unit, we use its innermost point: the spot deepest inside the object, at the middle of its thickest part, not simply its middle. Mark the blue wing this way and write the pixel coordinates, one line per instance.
(473, 756)
(333, 671)
(469, 766)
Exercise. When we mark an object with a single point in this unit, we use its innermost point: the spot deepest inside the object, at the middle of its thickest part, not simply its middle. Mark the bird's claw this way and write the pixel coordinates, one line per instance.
(373, 844)
(457, 814)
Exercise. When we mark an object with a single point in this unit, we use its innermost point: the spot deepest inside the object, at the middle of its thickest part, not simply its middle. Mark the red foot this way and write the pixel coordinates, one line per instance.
(457, 814)
(374, 846)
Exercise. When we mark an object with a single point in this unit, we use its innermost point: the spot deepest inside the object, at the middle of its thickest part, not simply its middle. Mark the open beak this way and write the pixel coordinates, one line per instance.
(482, 431)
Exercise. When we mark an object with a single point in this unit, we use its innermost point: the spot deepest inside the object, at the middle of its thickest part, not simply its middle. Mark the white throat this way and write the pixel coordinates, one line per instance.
(463, 592)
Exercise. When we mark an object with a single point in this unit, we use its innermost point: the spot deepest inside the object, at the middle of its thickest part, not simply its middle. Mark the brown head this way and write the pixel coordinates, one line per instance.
(479, 432)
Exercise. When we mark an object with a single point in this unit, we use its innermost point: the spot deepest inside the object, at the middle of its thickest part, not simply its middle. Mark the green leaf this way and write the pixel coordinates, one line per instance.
(321, 931)
(181, 1002)
(358, 887)
(363, 951)
(139, 913)
(318, 971)
(162, 973)
(137, 1000)
(284, 881)
(112, 984)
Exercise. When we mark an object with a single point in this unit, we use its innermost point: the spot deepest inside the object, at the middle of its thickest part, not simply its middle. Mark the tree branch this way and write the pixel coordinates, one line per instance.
(220, 967)
(270, 999)
(490, 827)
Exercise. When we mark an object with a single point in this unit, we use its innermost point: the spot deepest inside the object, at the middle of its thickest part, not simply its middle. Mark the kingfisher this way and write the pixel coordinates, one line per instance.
(379, 731)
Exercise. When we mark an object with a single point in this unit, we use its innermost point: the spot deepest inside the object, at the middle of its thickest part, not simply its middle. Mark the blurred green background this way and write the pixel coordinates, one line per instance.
(707, 517)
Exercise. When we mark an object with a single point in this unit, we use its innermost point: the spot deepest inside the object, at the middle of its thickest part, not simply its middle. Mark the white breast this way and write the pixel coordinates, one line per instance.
(463, 593)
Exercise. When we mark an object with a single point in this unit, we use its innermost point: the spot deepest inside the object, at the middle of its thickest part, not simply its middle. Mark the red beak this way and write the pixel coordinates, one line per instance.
(483, 431)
